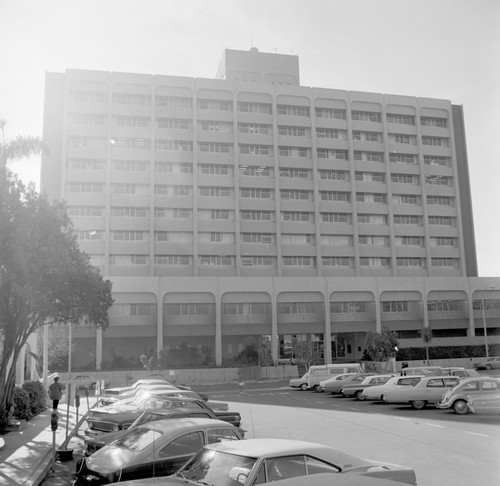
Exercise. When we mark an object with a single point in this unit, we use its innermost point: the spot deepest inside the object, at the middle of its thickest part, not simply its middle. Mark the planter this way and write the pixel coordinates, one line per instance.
(65, 455)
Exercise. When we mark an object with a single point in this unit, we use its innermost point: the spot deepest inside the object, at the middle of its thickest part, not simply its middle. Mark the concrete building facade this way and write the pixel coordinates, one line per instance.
(249, 209)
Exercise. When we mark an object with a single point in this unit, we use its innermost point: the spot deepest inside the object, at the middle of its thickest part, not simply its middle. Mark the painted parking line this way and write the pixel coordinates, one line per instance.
(475, 433)
(435, 425)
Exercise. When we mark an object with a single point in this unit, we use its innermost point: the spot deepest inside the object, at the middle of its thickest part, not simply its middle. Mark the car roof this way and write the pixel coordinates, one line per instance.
(269, 447)
(185, 424)
(474, 379)
(323, 479)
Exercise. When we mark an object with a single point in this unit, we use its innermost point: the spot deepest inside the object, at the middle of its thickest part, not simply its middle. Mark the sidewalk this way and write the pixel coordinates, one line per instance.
(28, 454)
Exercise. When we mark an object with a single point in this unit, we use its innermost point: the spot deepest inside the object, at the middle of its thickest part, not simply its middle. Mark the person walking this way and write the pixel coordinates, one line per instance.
(56, 391)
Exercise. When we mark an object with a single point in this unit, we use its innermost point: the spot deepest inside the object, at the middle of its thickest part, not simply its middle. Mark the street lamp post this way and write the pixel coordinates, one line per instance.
(485, 330)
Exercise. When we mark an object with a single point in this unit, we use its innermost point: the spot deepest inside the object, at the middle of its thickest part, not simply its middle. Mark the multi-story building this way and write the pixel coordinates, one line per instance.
(250, 209)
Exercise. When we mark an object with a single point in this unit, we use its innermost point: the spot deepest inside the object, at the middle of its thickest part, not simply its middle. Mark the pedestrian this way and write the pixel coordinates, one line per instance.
(56, 391)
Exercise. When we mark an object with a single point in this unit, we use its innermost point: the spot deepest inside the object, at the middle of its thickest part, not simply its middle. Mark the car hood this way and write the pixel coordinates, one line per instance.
(378, 469)
(109, 459)
(161, 481)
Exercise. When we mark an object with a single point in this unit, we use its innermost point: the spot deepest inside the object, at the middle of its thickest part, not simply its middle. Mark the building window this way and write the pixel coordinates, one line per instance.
(400, 119)
(444, 306)
(223, 148)
(258, 261)
(215, 191)
(371, 197)
(174, 167)
(431, 121)
(256, 193)
(369, 156)
(336, 240)
(86, 164)
(370, 177)
(331, 133)
(370, 116)
(443, 221)
(131, 165)
(435, 141)
(294, 308)
(440, 200)
(174, 102)
(400, 138)
(174, 145)
(132, 99)
(90, 235)
(256, 171)
(85, 211)
(324, 153)
(405, 179)
(173, 236)
(245, 308)
(215, 169)
(395, 306)
(250, 107)
(174, 213)
(412, 199)
(445, 262)
(216, 261)
(174, 260)
(216, 214)
(403, 158)
(298, 239)
(129, 212)
(215, 105)
(88, 97)
(174, 123)
(189, 309)
(293, 173)
(87, 119)
(296, 194)
(375, 262)
(287, 131)
(293, 110)
(332, 261)
(367, 136)
(126, 235)
(215, 126)
(370, 240)
(297, 216)
(408, 219)
(129, 259)
(380, 219)
(330, 113)
(416, 241)
(256, 149)
(299, 261)
(131, 121)
(255, 128)
(437, 160)
(336, 218)
(436, 180)
(257, 215)
(261, 238)
(410, 262)
(294, 152)
(338, 175)
(142, 309)
(87, 187)
(338, 196)
(348, 307)
(443, 241)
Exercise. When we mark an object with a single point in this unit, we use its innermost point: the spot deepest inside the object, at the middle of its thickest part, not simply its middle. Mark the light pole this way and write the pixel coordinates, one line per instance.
(491, 287)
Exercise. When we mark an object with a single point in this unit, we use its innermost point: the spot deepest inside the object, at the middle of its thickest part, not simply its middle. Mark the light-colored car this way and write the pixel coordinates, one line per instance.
(85, 381)
(153, 449)
(465, 373)
(457, 397)
(334, 387)
(377, 392)
(261, 461)
(484, 403)
(492, 363)
(324, 479)
(324, 384)
(356, 389)
(300, 383)
(429, 390)
(111, 395)
(422, 370)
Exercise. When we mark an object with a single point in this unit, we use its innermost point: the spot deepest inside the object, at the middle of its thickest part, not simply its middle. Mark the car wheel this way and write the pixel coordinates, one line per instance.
(418, 404)
(359, 395)
(487, 367)
(303, 386)
(314, 388)
(460, 407)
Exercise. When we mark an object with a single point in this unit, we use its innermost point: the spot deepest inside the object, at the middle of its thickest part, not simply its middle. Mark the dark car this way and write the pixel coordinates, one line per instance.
(98, 441)
(151, 450)
(99, 422)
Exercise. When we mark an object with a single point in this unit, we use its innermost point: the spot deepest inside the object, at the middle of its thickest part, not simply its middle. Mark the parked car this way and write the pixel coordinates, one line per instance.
(86, 381)
(318, 373)
(151, 450)
(429, 390)
(457, 397)
(262, 461)
(356, 389)
(464, 373)
(492, 363)
(323, 384)
(324, 479)
(484, 403)
(300, 383)
(102, 422)
(377, 392)
(95, 442)
(422, 370)
(334, 387)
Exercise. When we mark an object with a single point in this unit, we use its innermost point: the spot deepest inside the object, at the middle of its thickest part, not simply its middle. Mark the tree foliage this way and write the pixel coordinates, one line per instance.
(426, 334)
(44, 277)
(381, 346)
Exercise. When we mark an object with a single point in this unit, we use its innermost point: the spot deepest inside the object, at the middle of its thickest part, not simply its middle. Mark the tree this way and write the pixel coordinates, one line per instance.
(381, 346)
(426, 334)
(307, 351)
(44, 277)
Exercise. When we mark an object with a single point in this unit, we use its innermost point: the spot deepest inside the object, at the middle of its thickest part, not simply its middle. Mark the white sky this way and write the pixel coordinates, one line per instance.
(447, 49)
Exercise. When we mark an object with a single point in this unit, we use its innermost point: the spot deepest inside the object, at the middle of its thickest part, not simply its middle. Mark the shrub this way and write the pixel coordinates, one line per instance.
(37, 396)
(22, 409)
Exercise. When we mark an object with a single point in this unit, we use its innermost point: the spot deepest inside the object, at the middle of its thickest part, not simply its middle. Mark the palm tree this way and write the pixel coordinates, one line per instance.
(426, 334)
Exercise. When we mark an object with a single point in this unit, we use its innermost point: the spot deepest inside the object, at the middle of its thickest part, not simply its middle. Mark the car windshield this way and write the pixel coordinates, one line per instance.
(215, 468)
(137, 439)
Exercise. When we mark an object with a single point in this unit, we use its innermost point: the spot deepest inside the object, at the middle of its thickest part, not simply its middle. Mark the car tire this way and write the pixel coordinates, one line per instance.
(460, 407)
(487, 367)
(418, 404)
(314, 388)
(303, 386)
(359, 395)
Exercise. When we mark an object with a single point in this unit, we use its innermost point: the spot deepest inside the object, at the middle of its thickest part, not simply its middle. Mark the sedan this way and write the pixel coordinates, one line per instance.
(377, 392)
(261, 461)
(335, 379)
(429, 389)
(458, 397)
(334, 387)
(356, 389)
(492, 363)
(85, 381)
(300, 383)
(153, 449)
